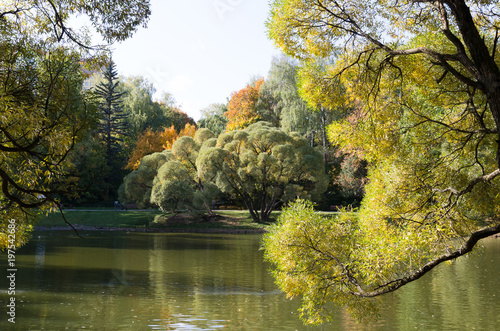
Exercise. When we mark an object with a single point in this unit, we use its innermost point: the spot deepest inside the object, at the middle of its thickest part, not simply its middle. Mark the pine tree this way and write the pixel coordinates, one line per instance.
(113, 125)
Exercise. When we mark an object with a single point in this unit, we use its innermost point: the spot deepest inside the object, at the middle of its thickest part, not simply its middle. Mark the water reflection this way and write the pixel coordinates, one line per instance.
(145, 281)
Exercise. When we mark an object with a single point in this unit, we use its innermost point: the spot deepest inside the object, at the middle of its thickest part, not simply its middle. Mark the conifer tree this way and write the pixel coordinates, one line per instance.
(113, 125)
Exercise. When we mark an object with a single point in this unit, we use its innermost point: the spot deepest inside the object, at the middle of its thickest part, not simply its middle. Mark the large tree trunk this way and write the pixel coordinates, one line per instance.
(485, 70)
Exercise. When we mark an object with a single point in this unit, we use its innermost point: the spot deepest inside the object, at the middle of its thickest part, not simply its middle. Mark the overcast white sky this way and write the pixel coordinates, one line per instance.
(199, 50)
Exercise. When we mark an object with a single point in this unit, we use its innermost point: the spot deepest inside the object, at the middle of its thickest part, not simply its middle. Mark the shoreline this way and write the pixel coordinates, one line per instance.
(153, 230)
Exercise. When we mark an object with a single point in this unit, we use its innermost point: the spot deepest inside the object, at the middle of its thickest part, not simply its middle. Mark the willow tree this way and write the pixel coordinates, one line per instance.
(137, 185)
(264, 167)
(423, 78)
(43, 109)
(178, 184)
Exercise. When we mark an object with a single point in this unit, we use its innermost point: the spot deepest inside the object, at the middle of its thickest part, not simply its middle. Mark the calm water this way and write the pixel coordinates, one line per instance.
(137, 281)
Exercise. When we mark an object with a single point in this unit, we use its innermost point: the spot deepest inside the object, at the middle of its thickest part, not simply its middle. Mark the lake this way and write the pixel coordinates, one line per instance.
(154, 281)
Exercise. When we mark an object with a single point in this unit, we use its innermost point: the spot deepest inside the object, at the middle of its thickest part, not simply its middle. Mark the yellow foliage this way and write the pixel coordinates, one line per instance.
(422, 114)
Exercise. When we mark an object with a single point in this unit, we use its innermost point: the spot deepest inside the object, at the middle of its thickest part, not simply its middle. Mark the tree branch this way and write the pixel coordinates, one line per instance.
(472, 184)
(464, 249)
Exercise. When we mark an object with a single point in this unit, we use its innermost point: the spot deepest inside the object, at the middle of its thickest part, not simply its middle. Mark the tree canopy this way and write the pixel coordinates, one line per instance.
(144, 113)
(280, 102)
(150, 142)
(178, 184)
(263, 166)
(44, 111)
(213, 118)
(137, 185)
(421, 79)
(242, 106)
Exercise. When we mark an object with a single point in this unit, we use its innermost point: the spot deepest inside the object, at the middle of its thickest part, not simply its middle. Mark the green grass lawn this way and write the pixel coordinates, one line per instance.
(102, 218)
(105, 218)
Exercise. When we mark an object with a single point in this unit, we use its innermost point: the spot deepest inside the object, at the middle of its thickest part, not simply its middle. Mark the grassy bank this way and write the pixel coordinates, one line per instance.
(139, 219)
(100, 218)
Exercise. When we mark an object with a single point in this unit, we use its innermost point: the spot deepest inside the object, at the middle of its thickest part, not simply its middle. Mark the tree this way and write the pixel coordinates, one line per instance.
(241, 110)
(113, 126)
(144, 113)
(280, 102)
(89, 159)
(175, 116)
(178, 184)
(172, 189)
(44, 111)
(351, 179)
(136, 186)
(426, 106)
(151, 142)
(139, 105)
(264, 167)
(213, 118)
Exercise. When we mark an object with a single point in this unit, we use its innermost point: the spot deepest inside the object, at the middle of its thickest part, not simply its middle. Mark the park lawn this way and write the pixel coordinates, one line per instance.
(100, 218)
(109, 218)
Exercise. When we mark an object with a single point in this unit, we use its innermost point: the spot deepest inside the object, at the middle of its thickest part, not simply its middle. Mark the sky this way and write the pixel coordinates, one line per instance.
(199, 50)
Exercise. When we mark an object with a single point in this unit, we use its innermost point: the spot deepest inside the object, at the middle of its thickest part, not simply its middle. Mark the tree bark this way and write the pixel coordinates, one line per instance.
(488, 73)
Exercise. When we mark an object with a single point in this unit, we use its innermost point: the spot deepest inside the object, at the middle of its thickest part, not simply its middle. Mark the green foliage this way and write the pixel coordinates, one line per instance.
(213, 118)
(113, 124)
(352, 178)
(138, 104)
(44, 111)
(203, 135)
(170, 179)
(312, 253)
(43, 114)
(89, 160)
(112, 128)
(144, 113)
(264, 167)
(279, 100)
(172, 189)
(136, 187)
(294, 101)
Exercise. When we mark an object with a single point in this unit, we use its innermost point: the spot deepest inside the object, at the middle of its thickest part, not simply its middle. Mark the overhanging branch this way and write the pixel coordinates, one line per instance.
(472, 184)
(464, 249)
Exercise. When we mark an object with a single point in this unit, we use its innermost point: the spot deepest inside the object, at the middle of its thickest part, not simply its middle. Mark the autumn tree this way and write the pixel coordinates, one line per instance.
(151, 142)
(242, 106)
(423, 77)
(264, 167)
(285, 100)
(44, 111)
(173, 113)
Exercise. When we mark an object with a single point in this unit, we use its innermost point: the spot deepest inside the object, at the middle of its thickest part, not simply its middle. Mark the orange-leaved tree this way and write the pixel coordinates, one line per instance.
(242, 110)
(189, 130)
(157, 141)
